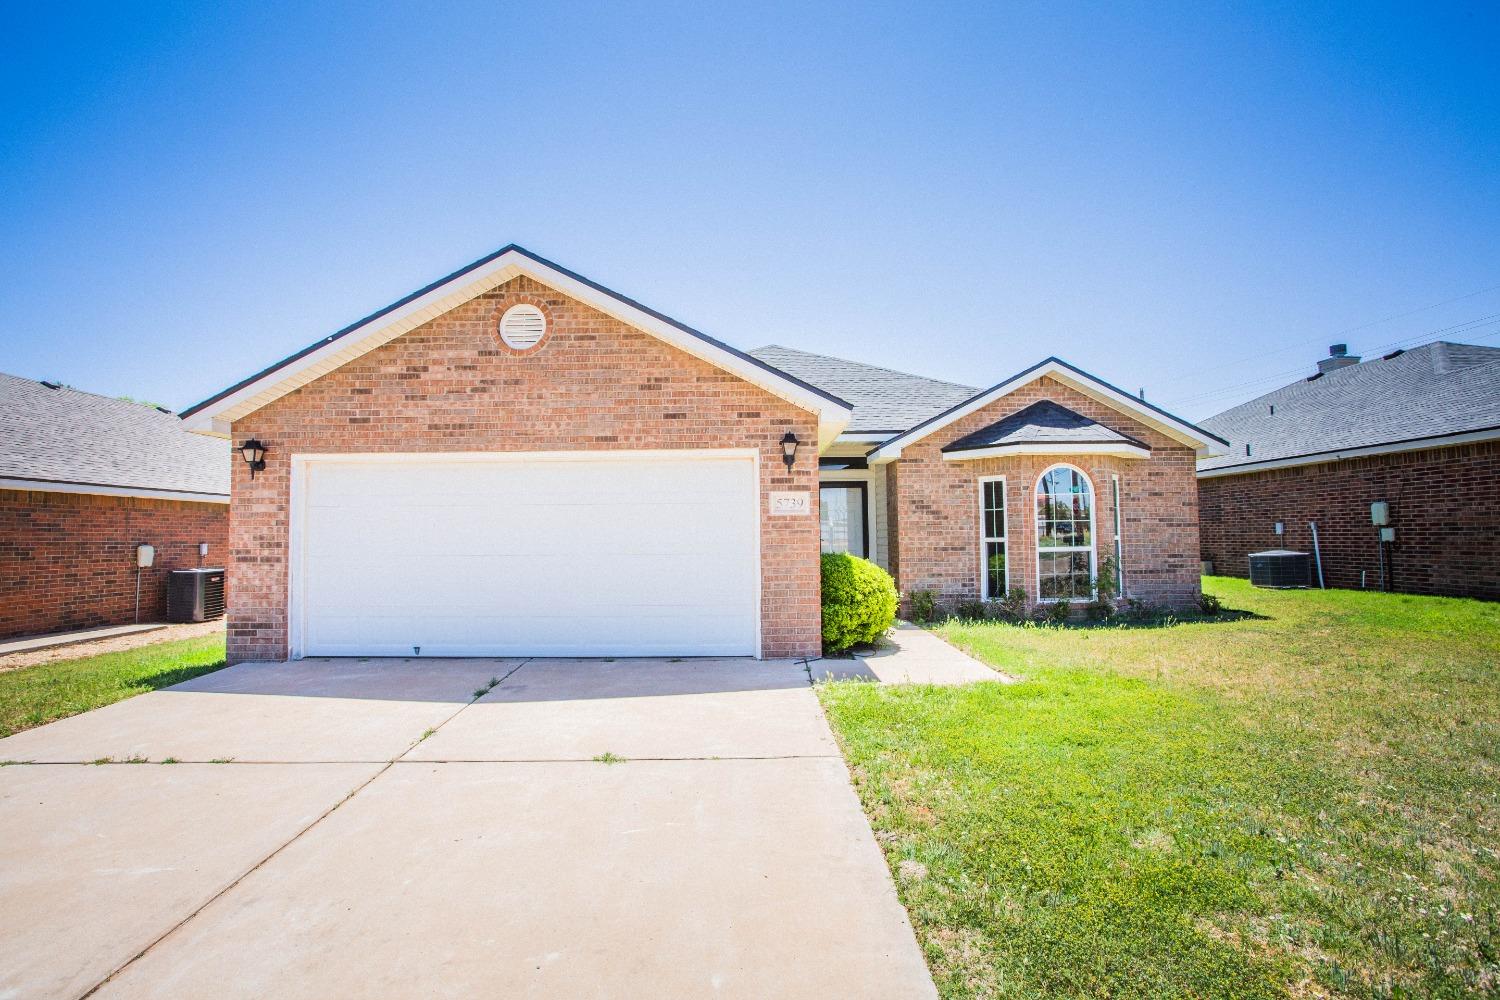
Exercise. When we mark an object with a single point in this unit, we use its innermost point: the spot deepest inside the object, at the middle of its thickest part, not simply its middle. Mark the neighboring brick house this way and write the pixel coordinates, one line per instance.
(1418, 430)
(515, 460)
(84, 480)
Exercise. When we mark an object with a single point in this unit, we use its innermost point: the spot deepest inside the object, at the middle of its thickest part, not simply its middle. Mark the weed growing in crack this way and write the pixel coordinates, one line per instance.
(608, 757)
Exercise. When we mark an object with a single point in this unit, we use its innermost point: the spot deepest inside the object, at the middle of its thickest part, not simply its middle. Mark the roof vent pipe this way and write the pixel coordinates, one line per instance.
(1338, 357)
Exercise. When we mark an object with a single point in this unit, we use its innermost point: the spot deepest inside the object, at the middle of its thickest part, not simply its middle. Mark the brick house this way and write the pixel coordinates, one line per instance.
(84, 480)
(517, 460)
(1418, 430)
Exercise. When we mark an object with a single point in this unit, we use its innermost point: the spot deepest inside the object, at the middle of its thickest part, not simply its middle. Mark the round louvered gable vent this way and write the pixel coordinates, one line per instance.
(522, 327)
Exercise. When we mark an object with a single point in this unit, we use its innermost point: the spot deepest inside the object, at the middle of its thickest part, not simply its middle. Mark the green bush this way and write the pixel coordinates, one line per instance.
(923, 605)
(1013, 607)
(972, 611)
(1058, 611)
(859, 601)
(1210, 605)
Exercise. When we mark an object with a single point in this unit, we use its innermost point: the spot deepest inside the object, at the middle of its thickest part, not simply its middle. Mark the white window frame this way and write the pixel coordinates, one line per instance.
(985, 539)
(1092, 548)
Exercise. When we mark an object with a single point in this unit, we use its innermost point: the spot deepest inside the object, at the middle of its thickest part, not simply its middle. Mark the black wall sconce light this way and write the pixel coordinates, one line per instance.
(789, 444)
(254, 454)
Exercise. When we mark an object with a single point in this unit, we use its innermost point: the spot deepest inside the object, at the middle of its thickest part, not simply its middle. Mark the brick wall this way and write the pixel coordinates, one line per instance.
(935, 507)
(67, 560)
(1445, 507)
(593, 383)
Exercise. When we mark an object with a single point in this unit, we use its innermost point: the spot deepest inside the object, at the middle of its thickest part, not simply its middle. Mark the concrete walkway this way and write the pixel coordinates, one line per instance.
(910, 655)
(372, 829)
(28, 652)
(31, 643)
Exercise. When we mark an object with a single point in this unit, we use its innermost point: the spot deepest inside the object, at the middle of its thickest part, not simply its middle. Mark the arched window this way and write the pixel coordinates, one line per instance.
(1064, 535)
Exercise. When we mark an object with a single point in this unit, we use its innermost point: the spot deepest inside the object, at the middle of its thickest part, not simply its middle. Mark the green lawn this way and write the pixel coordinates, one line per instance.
(34, 695)
(1304, 803)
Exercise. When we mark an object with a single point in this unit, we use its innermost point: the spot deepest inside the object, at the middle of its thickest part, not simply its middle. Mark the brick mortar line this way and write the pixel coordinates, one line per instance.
(292, 840)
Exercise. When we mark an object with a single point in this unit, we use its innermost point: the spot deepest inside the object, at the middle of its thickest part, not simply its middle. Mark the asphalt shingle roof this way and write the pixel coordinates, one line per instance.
(64, 435)
(1436, 389)
(1043, 422)
(883, 400)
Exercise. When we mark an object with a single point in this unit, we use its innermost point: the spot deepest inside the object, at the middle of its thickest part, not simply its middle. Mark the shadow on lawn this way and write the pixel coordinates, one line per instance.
(1123, 622)
(176, 675)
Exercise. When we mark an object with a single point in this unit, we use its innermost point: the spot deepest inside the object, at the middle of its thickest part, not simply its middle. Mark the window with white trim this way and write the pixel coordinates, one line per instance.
(1065, 535)
(994, 567)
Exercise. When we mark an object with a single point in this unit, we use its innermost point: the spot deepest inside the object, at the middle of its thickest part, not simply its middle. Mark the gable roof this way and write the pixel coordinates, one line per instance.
(885, 401)
(215, 414)
(64, 440)
(1436, 391)
(1043, 424)
(1204, 442)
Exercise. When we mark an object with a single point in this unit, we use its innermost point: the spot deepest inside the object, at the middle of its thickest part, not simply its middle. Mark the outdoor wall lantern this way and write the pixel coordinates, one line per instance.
(254, 454)
(789, 444)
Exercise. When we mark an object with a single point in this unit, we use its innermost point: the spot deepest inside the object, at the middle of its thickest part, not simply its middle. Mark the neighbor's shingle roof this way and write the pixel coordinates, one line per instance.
(64, 435)
(1043, 422)
(883, 400)
(1436, 389)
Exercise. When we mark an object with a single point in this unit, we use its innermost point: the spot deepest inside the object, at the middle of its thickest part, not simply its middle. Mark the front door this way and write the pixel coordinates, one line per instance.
(842, 520)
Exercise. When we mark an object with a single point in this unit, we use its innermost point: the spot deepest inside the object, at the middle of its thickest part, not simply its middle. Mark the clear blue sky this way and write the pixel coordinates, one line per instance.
(1185, 199)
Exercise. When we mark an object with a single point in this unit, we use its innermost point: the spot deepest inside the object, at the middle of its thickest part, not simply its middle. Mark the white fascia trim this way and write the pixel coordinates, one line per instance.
(1176, 430)
(91, 489)
(1000, 451)
(622, 455)
(862, 437)
(214, 419)
(1324, 457)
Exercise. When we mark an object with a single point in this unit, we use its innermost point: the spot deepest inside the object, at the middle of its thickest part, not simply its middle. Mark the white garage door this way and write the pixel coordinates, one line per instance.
(585, 555)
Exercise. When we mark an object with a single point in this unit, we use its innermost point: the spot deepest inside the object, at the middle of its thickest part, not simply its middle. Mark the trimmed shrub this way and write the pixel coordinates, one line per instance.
(972, 611)
(859, 601)
(1013, 607)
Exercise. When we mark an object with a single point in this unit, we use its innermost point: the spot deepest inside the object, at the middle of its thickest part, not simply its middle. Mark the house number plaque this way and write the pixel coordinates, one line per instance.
(792, 504)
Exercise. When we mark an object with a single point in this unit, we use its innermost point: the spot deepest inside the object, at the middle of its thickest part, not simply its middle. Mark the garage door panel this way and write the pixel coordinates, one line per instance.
(533, 531)
(618, 635)
(521, 584)
(516, 557)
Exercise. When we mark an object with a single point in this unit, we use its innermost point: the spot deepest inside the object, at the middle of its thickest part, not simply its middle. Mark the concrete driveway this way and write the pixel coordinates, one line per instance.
(371, 829)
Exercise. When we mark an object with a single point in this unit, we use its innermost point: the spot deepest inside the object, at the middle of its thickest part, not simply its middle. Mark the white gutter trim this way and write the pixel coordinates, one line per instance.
(1324, 457)
(94, 489)
(214, 419)
(1206, 447)
(1000, 451)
